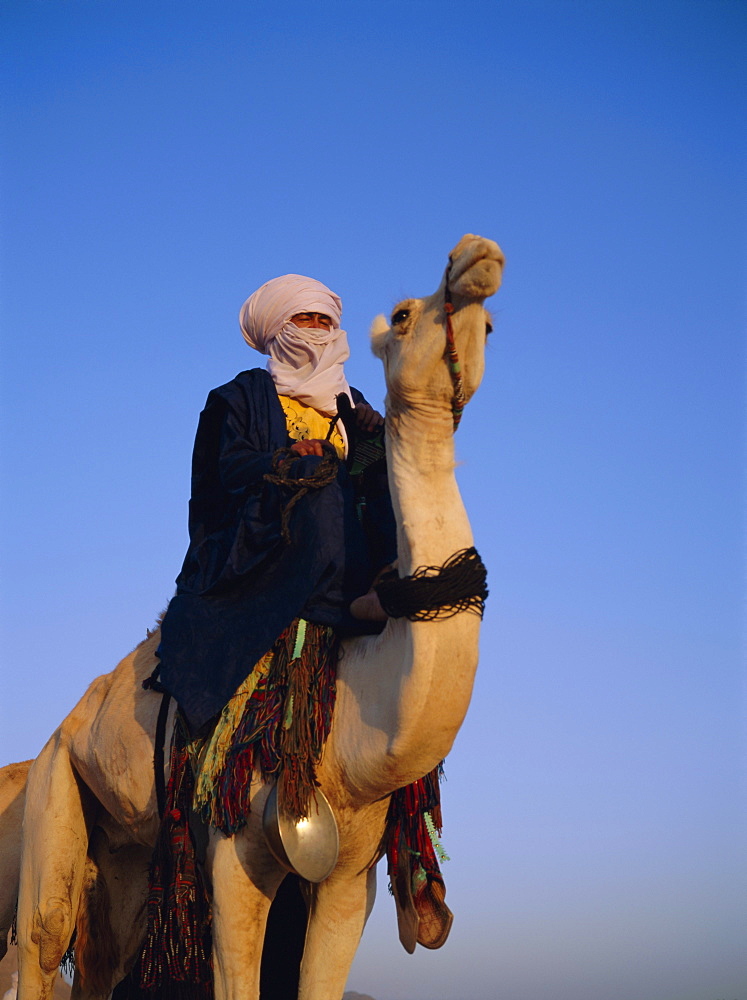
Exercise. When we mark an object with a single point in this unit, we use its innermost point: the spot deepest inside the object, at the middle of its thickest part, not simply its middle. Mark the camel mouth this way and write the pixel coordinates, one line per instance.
(478, 270)
(493, 255)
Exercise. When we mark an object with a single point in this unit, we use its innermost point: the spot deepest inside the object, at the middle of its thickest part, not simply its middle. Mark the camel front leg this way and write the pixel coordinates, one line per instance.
(340, 907)
(55, 840)
(244, 879)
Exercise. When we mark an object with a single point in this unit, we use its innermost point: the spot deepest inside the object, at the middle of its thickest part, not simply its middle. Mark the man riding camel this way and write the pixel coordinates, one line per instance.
(273, 542)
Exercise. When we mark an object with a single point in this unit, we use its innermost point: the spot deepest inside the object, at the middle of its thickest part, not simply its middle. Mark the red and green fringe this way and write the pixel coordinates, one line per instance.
(283, 728)
(412, 810)
(176, 963)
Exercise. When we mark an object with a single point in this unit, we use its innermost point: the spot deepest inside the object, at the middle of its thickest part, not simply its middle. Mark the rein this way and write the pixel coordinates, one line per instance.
(458, 400)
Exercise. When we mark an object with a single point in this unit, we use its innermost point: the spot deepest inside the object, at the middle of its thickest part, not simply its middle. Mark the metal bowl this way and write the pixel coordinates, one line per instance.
(309, 847)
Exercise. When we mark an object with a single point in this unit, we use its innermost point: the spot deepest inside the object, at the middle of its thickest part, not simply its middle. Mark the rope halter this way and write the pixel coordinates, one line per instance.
(458, 400)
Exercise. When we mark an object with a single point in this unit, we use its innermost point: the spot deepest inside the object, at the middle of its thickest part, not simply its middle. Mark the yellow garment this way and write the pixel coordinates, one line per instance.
(305, 422)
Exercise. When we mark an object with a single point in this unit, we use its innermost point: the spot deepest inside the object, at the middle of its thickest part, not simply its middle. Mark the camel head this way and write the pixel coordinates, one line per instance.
(412, 344)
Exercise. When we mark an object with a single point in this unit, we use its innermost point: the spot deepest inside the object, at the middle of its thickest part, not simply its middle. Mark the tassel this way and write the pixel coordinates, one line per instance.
(413, 825)
(276, 724)
(209, 761)
(438, 847)
(309, 671)
(176, 958)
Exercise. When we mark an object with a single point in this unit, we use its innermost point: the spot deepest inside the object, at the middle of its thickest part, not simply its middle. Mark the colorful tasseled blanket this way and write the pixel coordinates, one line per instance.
(276, 724)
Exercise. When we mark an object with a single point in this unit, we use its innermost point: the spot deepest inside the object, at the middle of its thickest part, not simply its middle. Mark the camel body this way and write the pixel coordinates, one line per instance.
(401, 697)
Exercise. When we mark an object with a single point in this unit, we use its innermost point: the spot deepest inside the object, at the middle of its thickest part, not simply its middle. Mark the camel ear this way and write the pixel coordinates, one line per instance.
(380, 329)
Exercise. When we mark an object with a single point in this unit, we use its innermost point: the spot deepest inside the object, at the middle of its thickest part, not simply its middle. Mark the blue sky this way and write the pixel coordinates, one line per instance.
(161, 160)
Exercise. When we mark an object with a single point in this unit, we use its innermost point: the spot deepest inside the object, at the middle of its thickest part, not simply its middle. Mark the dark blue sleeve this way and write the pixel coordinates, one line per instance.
(242, 426)
(242, 462)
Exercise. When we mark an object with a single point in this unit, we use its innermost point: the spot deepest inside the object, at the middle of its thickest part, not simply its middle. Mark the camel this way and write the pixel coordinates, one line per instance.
(401, 697)
(12, 799)
(112, 893)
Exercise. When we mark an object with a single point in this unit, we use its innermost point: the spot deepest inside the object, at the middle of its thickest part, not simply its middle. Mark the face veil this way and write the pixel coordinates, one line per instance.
(305, 363)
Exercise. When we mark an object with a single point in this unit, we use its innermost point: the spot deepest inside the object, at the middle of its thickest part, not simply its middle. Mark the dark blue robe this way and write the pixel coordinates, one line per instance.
(241, 584)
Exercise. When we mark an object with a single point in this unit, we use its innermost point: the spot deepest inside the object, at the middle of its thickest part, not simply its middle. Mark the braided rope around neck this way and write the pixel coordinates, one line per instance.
(436, 592)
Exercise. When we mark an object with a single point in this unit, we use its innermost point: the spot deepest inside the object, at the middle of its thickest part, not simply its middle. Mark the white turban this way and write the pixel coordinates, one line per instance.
(305, 363)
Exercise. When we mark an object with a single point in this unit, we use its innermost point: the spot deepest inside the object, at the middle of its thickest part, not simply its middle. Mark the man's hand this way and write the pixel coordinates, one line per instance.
(367, 418)
(311, 446)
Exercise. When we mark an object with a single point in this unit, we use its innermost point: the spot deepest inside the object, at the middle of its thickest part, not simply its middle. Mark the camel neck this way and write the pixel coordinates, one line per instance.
(392, 721)
(432, 521)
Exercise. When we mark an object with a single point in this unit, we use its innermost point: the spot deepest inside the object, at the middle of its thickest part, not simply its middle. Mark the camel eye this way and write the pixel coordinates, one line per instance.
(488, 327)
(400, 316)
